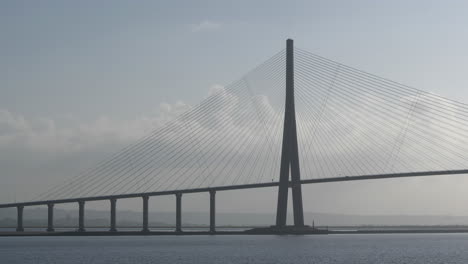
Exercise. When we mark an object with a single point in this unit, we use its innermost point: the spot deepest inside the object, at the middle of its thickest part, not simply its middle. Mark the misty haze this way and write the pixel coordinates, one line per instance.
(239, 132)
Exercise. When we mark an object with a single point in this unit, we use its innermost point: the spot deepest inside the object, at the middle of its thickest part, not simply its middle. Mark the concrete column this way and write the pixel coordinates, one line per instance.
(81, 226)
(50, 219)
(113, 226)
(145, 214)
(212, 211)
(19, 219)
(289, 152)
(178, 212)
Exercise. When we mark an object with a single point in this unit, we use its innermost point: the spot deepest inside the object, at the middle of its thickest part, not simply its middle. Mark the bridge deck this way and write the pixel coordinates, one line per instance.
(239, 187)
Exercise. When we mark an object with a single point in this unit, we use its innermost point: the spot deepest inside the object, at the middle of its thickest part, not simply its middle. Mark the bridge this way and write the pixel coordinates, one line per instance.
(336, 123)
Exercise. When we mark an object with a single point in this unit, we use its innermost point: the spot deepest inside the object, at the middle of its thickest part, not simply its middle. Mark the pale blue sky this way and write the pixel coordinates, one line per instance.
(105, 65)
(123, 58)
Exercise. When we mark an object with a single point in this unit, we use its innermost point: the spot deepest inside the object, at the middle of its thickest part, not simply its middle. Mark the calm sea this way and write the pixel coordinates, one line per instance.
(389, 248)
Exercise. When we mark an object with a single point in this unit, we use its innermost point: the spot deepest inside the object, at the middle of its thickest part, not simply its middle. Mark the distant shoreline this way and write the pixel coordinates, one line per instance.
(256, 226)
(332, 231)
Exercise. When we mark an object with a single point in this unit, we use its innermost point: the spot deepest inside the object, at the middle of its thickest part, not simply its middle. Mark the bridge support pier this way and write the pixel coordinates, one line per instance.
(178, 212)
(19, 219)
(113, 204)
(212, 211)
(81, 226)
(50, 219)
(145, 214)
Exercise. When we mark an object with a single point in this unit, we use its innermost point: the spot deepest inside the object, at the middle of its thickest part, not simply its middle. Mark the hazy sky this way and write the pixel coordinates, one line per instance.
(81, 79)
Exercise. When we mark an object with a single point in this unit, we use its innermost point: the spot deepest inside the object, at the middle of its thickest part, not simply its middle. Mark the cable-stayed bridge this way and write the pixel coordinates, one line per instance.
(297, 118)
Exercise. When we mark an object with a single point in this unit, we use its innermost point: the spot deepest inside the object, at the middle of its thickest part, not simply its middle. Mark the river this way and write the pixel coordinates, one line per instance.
(382, 248)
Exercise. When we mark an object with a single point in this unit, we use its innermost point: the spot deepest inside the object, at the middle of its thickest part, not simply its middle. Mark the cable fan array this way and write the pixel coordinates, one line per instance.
(349, 123)
(232, 137)
(355, 123)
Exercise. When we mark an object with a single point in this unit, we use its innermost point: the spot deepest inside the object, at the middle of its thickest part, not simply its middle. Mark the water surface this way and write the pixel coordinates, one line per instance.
(388, 248)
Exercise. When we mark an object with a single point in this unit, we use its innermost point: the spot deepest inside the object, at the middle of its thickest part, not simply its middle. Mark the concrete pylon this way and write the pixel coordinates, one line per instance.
(289, 153)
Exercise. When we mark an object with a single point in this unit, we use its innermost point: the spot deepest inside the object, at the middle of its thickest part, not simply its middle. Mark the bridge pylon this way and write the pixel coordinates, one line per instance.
(289, 153)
